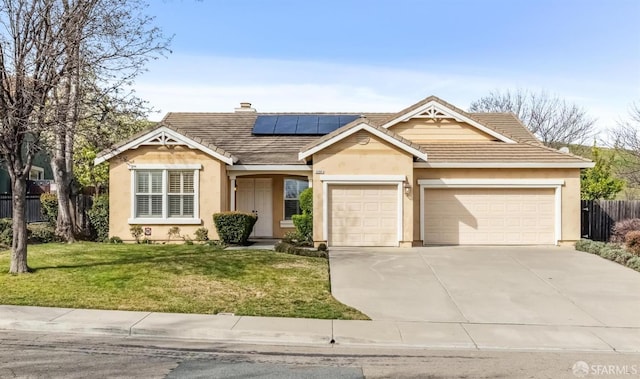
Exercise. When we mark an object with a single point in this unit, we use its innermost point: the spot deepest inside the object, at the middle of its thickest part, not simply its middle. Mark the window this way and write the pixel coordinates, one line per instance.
(181, 194)
(165, 195)
(292, 189)
(149, 194)
(36, 173)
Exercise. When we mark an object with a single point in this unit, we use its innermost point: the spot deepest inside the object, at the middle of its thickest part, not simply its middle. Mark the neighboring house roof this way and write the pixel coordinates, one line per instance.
(228, 137)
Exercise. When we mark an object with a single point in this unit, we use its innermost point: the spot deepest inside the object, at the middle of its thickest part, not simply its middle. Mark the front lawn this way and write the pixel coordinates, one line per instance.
(173, 278)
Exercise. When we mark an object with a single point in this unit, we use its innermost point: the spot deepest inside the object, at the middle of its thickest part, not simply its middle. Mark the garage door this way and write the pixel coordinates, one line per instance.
(489, 216)
(363, 215)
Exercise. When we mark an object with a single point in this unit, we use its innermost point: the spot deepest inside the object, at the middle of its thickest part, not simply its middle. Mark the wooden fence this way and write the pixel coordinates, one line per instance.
(599, 216)
(34, 209)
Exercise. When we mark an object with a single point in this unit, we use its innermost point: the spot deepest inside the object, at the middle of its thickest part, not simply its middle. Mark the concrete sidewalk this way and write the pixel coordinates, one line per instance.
(291, 331)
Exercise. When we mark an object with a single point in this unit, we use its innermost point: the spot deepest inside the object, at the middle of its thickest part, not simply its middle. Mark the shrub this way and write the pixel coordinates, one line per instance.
(621, 228)
(623, 258)
(41, 233)
(115, 239)
(589, 246)
(49, 203)
(283, 247)
(583, 244)
(634, 263)
(6, 231)
(201, 234)
(136, 232)
(632, 242)
(304, 221)
(322, 247)
(612, 251)
(304, 227)
(234, 227)
(99, 217)
(174, 231)
(215, 243)
(306, 201)
(294, 238)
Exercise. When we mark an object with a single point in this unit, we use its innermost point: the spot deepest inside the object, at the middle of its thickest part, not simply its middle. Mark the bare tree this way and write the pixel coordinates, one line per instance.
(553, 120)
(48, 49)
(626, 137)
(109, 48)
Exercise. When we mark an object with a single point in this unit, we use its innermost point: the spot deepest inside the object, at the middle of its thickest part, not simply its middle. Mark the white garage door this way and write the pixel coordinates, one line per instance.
(489, 216)
(363, 215)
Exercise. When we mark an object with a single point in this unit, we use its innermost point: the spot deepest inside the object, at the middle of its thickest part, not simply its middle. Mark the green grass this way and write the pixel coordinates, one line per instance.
(174, 278)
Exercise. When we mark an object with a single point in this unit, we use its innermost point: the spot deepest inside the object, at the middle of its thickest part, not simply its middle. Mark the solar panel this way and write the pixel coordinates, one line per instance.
(345, 119)
(305, 124)
(328, 123)
(265, 125)
(286, 124)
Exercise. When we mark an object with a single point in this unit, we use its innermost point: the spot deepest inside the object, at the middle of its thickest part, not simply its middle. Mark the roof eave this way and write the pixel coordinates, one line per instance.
(190, 142)
(580, 165)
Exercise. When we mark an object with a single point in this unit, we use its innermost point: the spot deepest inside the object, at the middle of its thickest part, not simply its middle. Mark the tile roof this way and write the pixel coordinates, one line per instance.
(497, 152)
(230, 134)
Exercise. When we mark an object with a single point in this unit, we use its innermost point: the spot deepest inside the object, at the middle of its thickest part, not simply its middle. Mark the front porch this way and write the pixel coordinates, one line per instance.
(270, 192)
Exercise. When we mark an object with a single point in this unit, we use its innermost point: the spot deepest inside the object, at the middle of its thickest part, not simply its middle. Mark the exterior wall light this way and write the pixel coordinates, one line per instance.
(407, 187)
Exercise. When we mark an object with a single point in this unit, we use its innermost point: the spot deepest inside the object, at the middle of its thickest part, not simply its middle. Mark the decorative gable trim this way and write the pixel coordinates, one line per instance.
(434, 110)
(164, 136)
(356, 128)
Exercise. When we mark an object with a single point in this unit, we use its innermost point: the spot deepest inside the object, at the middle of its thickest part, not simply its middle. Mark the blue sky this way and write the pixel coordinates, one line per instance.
(385, 55)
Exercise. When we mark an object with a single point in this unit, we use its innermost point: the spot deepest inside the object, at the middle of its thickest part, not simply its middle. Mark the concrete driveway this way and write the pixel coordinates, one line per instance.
(502, 285)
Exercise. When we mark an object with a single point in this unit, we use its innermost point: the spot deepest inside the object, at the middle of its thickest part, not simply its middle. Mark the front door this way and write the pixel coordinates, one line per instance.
(255, 196)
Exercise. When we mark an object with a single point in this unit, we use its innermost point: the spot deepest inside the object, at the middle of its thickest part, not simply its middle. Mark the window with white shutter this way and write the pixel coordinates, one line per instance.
(165, 196)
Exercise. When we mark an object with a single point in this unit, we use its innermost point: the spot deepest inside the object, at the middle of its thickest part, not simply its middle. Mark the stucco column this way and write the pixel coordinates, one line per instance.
(310, 180)
(232, 197)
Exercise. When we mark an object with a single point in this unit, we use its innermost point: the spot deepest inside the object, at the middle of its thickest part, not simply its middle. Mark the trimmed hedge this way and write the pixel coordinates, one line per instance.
(283, 247)
(234, 227)
(610, 251)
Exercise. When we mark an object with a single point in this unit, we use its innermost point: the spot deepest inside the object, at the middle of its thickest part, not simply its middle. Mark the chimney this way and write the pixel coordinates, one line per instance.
(245, 107)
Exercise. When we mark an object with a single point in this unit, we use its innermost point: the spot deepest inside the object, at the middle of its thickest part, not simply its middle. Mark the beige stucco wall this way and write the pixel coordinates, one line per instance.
(213, 189)
(352, 156)
(422, 130)
(570, 191)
